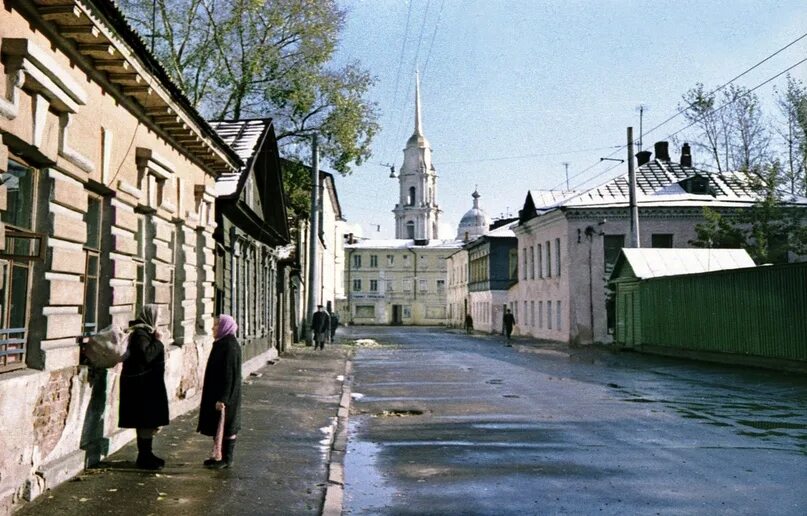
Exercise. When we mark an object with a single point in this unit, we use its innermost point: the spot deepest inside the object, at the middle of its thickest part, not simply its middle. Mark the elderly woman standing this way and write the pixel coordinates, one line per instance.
(143, 397)
(222, 390)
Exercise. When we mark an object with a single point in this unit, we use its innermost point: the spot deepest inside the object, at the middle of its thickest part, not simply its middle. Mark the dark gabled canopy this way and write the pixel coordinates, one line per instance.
(253, 199)
(528, 211)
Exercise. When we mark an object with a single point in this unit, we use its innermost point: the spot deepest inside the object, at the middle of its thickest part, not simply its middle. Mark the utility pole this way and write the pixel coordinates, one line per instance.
(313, 241)
(566, 164)
(641, 108)
(634, 209)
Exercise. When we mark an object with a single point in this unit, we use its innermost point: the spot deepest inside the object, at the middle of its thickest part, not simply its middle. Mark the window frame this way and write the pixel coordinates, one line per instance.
(16, 335)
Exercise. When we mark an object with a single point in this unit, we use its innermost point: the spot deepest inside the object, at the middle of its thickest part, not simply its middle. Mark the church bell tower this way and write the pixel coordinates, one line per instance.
(417, 212)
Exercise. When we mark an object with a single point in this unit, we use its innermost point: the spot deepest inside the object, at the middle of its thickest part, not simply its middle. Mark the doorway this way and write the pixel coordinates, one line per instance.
(397, 315)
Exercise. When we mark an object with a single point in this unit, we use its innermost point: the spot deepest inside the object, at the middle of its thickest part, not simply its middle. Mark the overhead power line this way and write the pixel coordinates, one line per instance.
(681, 111)
(524, 156)
(722, 86)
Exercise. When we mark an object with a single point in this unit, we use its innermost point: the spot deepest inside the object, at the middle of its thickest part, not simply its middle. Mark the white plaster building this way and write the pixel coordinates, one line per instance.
(567, 244)
(457, 299)
(397, 281)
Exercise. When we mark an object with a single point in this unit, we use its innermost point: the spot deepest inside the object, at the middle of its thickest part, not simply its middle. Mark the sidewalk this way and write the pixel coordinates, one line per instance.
(282, 459)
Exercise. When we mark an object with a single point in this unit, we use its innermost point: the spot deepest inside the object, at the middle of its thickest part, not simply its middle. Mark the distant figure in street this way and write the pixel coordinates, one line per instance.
(509, 321)
(334, 323)
(222, 392)
(469, 324)
(143, 397)
(321, 326)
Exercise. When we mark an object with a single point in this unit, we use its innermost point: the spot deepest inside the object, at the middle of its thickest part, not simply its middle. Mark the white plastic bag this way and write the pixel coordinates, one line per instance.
(108, 347)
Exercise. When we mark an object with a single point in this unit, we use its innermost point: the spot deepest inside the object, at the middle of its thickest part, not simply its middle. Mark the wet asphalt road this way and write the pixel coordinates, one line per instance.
(444, 423)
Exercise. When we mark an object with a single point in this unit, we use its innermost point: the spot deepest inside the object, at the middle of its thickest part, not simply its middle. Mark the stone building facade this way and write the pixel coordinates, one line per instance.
(107, 203)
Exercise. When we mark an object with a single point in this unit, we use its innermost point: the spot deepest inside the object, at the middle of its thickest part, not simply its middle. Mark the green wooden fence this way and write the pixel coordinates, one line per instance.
(755, 312)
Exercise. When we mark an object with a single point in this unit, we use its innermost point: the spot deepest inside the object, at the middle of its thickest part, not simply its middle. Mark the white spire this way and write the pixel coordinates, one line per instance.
(418, 127)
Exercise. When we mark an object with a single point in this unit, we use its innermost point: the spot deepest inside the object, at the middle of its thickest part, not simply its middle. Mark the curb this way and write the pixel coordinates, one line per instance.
(335, 492)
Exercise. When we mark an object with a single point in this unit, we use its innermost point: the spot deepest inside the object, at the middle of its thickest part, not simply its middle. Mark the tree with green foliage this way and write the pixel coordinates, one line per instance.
(265, 58)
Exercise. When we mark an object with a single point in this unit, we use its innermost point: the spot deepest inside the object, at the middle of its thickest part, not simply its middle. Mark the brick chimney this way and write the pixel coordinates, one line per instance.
(643, 157)
(686, 156)
(662, 151)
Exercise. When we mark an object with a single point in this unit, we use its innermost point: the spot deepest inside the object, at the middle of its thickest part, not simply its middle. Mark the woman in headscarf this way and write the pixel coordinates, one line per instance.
(222, 390)
(143, 397)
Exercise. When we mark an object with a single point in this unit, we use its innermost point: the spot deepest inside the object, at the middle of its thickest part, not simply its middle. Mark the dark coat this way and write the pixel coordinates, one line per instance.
(321, 324)
(143, 398)
(222, 383)
(509, 321)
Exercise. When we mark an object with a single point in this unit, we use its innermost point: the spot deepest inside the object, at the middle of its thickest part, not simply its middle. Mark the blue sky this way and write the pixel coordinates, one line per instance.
(512, 89)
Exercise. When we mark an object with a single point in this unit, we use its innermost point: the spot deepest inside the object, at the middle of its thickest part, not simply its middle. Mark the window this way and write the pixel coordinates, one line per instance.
(407, 285)
(356, 285)
(540, 314)
(524, 262)
(441, 285)
(373, 260)
(140, 266)
(540, 254)
(557, 257)
(410, 230)
(548, 259)
(513, 264)
(549, 315)
(92, 265)
(612, 244)
(526, 314)
(661, 240)
(410, 200)
(532, 262)
(373, 285)
(557, 312)
(357, 261)
(390, 286)
(366, 311)
(424, 285)
(390, 259)
(15, 270)
(532, 313)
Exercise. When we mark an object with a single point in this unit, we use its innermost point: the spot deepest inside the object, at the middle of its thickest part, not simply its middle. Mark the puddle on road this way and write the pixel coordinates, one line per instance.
(366, 491)
(399, 413)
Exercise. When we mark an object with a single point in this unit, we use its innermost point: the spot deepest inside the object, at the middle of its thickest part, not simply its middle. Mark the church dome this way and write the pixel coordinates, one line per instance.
(474, 223)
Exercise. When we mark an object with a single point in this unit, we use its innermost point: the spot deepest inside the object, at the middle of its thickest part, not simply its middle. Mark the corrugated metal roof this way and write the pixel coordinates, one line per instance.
(657, 184)
(244, 137)
(653, 263)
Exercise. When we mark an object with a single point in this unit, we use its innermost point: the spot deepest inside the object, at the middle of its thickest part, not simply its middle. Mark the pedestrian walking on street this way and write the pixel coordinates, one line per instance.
(221, 392)
(334, 324)
(469, 324)
(508, 322)
(143, 397)
(321, 326)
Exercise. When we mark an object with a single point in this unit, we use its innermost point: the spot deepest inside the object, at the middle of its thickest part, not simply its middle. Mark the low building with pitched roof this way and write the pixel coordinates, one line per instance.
(568, 245)
(251, 234)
